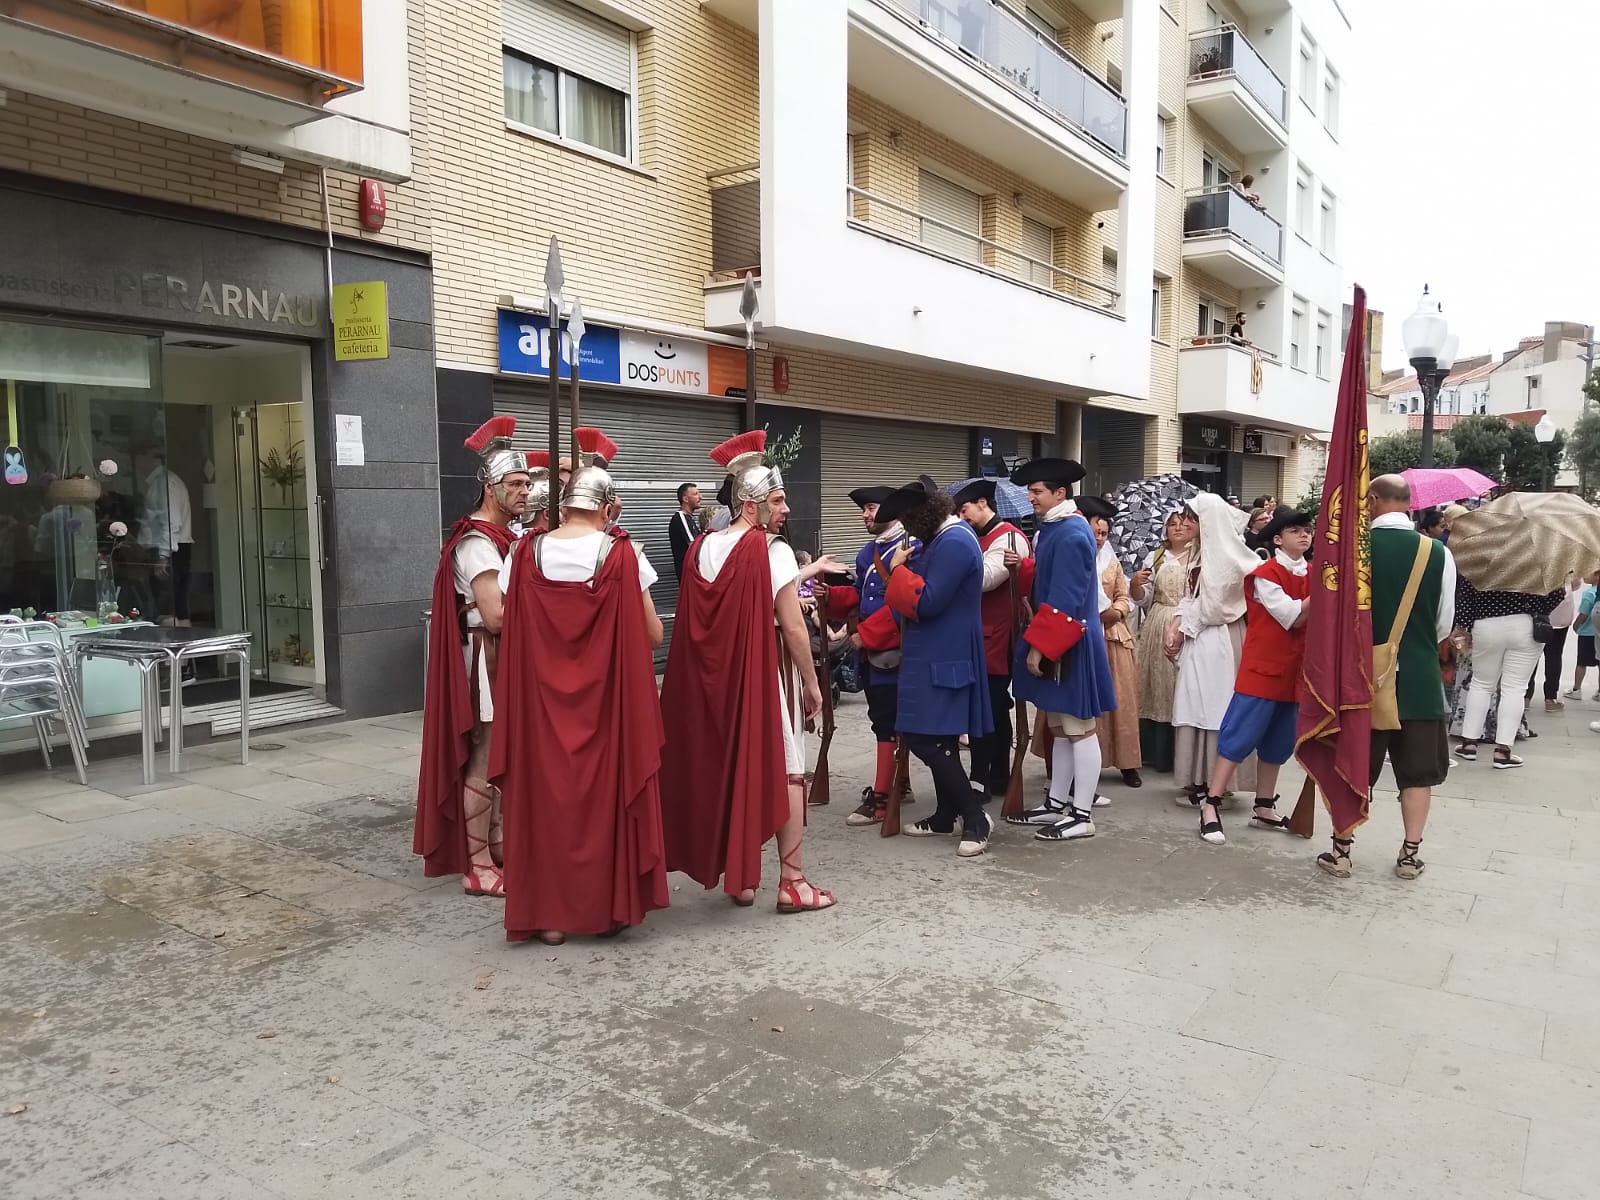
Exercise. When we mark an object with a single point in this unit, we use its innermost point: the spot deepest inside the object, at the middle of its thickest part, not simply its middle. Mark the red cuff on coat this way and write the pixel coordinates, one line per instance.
(904, 592)
(879, 631)
(1052, 633)
(842, 600)
(1025, 570)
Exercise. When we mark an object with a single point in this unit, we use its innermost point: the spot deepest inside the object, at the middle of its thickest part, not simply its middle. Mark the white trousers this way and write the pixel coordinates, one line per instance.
(1504, 656)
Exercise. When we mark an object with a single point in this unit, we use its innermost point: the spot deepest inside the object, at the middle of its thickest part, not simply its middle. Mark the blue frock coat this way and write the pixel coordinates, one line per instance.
(871, 587)
(1066, 579)
(944, 688)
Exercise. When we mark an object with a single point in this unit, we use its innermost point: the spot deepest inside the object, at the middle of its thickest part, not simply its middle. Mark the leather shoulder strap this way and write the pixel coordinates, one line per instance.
(1408, 599)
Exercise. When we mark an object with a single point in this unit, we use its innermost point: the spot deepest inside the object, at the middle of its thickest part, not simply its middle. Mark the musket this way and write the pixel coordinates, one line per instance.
(1013, 804)
(819, 777)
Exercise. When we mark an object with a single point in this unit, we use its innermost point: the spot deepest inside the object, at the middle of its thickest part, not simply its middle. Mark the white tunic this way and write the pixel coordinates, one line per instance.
(473, 556)
(715, 550)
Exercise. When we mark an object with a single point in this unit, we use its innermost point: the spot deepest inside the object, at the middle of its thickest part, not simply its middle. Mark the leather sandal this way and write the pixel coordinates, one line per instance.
(1336, 862)
(789, 900)
(1275, 821)
(480, 879)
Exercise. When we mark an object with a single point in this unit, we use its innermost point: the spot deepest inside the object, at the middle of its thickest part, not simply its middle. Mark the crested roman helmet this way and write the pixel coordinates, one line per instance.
(749, 478)
(590, 487)
(538, 484)
(491, 442)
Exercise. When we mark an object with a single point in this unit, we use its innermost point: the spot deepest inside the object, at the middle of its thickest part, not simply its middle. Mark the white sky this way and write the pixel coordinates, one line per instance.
(1501, 215)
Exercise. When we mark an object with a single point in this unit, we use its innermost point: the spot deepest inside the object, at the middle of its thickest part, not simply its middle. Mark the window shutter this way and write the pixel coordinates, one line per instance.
(565, 35)
(952, 205)
(1036, 241)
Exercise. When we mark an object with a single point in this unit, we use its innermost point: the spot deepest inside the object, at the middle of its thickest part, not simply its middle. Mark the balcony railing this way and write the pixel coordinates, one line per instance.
(1227, 52)
(1225, 209)
(1220, 339)
(735, 221)
(322, 35)
(901, 223)
(1027, 61)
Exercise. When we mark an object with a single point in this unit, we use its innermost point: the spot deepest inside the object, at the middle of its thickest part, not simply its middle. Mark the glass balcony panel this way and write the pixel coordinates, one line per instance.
(324, 35)
(1225, 210)
(1226, 51)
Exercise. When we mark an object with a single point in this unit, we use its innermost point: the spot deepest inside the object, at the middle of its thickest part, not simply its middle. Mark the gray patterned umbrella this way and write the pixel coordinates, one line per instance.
(1143, 507)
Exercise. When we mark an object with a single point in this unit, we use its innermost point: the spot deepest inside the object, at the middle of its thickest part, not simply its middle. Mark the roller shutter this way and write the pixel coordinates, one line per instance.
(663, 442)
(951, 205)
(857, 451)
(1113, 449)
(1260, 475)
(561, 33)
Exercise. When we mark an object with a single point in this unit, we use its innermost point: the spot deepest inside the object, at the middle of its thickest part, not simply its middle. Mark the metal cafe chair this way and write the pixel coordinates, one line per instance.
(37, 684)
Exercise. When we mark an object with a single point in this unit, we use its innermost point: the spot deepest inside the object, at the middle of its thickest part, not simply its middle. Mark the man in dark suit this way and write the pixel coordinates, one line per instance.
(685, 525)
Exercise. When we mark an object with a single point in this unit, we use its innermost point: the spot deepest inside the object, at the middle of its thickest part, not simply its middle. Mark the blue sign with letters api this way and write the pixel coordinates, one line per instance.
(525, 348)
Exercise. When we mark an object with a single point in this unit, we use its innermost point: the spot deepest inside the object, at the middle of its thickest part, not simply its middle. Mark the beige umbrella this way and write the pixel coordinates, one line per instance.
(1527, 542)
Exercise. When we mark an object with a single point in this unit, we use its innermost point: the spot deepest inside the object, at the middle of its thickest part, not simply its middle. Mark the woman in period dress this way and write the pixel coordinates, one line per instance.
(1158, 587)
(1118, 731)
(1207, 637)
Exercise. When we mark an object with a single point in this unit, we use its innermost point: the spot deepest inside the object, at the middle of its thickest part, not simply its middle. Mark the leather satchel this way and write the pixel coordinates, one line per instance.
(1386, 655)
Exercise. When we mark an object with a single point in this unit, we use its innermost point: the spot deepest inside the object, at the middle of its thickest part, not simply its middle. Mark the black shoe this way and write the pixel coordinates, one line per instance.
(975, 841)
(1211, 831)
(1131, 779)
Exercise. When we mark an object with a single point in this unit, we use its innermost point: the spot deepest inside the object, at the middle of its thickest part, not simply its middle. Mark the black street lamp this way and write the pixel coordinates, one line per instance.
(1432, 350)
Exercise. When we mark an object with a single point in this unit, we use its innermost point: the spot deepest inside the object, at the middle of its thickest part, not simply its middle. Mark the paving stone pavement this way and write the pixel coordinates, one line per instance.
(238, 984)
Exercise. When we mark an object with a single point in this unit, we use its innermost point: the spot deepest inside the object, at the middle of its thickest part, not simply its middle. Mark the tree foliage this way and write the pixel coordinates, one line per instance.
(1481, 443)
(1396, 452)
(1527, 460)
(1583, 447)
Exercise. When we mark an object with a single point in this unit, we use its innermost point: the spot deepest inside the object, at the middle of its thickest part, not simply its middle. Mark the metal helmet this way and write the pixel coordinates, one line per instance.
(590, 487)
(538, 485)
(748, 477)
(491, 442)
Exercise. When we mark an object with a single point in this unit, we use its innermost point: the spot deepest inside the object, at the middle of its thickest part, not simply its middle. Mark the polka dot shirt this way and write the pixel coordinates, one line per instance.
(1473, 605)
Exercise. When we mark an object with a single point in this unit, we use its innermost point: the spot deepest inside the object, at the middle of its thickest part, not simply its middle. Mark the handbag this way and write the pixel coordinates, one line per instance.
(1386, 656)
(1543, 630)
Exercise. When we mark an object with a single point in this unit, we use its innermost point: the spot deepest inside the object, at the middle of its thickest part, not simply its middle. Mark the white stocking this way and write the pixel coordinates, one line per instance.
(1061, 771)
(1086, 761)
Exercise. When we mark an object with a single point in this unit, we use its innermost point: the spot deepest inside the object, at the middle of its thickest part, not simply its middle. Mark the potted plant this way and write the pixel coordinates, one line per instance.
(286, 469)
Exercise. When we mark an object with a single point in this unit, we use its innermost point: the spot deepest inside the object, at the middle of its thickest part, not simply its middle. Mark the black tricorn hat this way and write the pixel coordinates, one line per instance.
(1286, 518)
(978, 489)
(1094, 506)
(863, 496)
(1056, 472)
(903, 499)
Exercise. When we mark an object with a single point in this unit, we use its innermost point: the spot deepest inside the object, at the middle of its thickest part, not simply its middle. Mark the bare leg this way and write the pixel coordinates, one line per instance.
(1222, 775)
(477, 807)
(1577, 678)
(1267, 779)
(791, 835)
(1414, 804)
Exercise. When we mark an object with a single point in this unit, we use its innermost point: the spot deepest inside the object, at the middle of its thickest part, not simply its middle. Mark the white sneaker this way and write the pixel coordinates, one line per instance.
(1101, 801)
(1574, 694)
(1594, 726)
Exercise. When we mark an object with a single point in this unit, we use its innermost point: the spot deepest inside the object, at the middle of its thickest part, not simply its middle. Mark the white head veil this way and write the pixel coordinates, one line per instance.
(1224, 560)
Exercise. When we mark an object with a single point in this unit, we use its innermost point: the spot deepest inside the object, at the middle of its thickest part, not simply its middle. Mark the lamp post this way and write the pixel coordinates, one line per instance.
(1431, 350)
(748, 308)
(1545, 431)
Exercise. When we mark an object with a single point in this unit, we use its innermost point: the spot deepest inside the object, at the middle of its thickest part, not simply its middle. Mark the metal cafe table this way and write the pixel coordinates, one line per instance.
(149, 647)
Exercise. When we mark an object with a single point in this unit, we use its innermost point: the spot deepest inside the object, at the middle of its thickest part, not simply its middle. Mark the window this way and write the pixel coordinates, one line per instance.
(1533, 391)
(1324, 344)
(1330, 99)
(1308, 72)
(1297, 334)
(1046, 23)
(1037, 242)
(1215, 171)
(952, 216)
(1163, 143)
(568, 73)
(1157, 316)
(1213, 320)
(1330, 222)
(1302, 203)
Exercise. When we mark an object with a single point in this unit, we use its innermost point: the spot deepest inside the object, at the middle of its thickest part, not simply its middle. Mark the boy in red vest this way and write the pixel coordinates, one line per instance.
(1261, 716)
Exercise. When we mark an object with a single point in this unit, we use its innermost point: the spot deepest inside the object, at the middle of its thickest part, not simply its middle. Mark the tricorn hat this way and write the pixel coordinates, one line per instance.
(978, 489)
(903, 499)
(1056, 472)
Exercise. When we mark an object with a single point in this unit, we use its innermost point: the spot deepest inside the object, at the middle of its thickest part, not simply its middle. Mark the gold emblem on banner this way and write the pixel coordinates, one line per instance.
(1363, 527)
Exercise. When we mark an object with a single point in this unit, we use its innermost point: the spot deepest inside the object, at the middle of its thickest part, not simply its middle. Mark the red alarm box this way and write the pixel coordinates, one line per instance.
(374, 205)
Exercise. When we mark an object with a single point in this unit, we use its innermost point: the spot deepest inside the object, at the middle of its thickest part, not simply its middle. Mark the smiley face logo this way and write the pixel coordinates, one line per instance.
(665, 352)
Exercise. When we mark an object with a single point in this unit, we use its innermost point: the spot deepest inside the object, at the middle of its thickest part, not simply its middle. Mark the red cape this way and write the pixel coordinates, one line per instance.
(724, 791)
(447, 716)
(576, 750)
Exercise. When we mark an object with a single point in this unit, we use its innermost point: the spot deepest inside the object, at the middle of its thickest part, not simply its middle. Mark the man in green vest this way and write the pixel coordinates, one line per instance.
(1418, 752)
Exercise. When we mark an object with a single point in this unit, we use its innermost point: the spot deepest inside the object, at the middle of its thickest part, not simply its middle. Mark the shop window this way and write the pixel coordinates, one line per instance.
(569, 74)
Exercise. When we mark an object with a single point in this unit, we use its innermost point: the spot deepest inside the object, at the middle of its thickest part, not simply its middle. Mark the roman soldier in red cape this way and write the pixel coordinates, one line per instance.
(579, 742)
(458, 829)
(740, 685)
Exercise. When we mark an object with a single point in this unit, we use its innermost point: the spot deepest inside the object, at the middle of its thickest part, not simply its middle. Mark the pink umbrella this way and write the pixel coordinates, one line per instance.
(1432, 486)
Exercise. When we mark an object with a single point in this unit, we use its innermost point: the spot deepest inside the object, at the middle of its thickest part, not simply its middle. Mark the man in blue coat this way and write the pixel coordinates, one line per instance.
(1061, 667)
(944, 688)
(877, 640)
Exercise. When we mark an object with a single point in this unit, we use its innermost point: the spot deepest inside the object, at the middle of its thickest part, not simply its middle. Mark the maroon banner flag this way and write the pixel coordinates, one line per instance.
(1335, 692)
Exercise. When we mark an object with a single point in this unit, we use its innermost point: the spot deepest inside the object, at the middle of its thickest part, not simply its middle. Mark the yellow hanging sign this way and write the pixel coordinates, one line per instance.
(360, 321)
